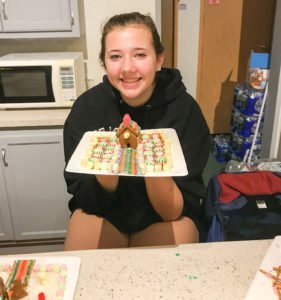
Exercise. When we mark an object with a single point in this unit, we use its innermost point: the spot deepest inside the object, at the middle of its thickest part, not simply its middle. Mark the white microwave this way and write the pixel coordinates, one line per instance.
(37, 80)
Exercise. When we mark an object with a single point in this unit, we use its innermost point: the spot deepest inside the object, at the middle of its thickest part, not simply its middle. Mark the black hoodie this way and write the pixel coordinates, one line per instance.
(129, 208)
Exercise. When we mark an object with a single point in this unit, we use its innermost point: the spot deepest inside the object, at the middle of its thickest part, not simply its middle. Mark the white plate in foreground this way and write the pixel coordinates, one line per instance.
(72, 263)
(179, 164)
(261, 287)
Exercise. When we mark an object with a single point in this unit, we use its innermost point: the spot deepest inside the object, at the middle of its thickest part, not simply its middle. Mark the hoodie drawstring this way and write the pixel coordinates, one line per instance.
(148, 108)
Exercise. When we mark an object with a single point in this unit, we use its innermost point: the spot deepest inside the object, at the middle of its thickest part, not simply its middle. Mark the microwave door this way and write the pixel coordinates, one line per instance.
(30, 84)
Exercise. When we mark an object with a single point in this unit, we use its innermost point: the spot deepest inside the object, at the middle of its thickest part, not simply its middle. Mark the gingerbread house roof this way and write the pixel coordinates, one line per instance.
(128, 124)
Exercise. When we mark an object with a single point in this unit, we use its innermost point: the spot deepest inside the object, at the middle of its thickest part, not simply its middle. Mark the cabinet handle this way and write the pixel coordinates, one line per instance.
(5, 16)
(72, 19)
(3, 155)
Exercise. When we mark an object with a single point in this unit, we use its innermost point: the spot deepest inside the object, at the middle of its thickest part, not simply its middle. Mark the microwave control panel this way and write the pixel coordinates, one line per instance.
(67, 79)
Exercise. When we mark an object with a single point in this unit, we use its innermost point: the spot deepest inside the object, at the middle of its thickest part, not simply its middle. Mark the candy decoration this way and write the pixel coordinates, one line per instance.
(3, 290)
(134, 168)
(41, 296)
(21, 271)
(128, 161)
(122, 162)
(127, 120)
(42, 278)
(19, 277)
(152, 155)
(39, 278)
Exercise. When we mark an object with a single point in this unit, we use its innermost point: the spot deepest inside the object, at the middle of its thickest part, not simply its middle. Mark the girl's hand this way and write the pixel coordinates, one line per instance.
(108, 182)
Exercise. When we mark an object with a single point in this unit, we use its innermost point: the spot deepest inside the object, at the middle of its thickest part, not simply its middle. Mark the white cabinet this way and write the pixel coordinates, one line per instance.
(39, 18)
(33, 196)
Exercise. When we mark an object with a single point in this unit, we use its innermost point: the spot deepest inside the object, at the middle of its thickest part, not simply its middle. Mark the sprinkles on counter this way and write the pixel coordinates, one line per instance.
(129, 151)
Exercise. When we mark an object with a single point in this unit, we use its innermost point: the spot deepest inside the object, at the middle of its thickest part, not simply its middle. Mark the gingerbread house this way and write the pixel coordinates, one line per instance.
(128, 133)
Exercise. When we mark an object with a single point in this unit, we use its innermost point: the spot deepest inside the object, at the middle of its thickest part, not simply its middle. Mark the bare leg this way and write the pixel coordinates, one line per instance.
(87, 231)
(182, 231)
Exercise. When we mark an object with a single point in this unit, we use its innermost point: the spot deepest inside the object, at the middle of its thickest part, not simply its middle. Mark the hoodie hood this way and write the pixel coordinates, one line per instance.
(168, 87)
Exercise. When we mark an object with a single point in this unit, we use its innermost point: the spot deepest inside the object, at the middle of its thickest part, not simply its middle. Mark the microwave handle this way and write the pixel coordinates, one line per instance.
(3, 155)
(5, 16)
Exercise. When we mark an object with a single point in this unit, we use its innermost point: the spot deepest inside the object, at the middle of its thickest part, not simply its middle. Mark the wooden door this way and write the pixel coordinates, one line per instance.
(228, 32)
(169, 31)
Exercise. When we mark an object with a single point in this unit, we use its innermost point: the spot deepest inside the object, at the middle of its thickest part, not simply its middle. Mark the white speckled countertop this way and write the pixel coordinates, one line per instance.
(206, 271)
(32, 118)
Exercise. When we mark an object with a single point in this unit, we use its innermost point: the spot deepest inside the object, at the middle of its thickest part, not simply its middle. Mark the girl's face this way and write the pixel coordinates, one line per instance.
(131, 62)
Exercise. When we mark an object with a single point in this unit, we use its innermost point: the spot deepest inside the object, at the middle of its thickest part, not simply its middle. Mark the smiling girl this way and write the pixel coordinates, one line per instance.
(121, 211)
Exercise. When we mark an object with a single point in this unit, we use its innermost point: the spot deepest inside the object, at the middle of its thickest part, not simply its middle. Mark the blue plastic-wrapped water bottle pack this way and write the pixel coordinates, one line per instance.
(246, 109)
(247, 114)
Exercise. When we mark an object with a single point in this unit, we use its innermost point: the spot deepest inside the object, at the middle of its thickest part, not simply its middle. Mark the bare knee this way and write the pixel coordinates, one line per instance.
(86, 231)
(185, 231)
(83, 231)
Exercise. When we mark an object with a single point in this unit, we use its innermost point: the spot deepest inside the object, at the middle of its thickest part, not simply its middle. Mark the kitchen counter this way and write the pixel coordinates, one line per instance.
(212, 271)
(33, 118)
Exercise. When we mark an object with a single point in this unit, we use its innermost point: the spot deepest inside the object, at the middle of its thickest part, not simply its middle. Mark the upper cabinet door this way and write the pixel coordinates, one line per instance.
(36, 15)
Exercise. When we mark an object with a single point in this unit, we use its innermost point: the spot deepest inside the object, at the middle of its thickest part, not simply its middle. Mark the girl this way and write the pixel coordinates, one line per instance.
(122, 211)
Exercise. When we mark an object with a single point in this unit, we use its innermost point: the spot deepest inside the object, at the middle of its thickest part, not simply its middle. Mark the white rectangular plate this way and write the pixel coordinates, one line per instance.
(179, 164)
(261, 287)
(72, 263)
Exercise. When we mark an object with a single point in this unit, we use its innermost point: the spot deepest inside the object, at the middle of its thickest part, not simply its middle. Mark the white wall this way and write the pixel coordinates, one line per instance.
(97, 12)
(158, 15)
(188, 39)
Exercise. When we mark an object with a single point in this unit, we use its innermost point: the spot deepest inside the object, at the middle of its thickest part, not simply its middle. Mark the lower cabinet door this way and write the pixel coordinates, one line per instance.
(36, 189)
(6, 228)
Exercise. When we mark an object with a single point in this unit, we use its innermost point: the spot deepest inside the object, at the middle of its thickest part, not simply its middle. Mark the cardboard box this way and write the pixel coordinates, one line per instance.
(258, 70)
